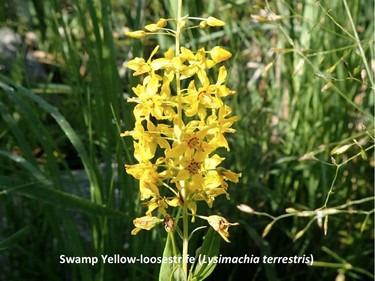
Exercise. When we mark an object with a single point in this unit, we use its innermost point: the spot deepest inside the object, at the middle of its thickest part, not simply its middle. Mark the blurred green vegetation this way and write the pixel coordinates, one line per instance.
(303, 72)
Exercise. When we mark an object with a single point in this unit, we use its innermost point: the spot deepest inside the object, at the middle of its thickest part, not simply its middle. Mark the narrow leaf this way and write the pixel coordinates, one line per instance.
(207, 255)
(12, 240)
(48, 195)
(169, 270)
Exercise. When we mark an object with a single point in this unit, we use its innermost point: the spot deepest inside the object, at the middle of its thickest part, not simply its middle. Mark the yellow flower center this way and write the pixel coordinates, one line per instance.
(193, 142)
(201, 93)
(193, 167)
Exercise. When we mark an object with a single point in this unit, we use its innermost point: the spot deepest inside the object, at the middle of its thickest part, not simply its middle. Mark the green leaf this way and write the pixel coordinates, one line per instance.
(207, 255)
(11, 88)
(34, 171)
(171, 271)
(12, 240)
(38, 191)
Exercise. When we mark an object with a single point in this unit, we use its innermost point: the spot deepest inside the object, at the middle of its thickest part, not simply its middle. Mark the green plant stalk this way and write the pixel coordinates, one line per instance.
(185, 241)
(338, 166)
(185, 222)
(358, 43)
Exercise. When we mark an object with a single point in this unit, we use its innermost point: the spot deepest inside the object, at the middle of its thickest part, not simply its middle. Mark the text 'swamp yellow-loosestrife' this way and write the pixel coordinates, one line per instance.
(179, 128)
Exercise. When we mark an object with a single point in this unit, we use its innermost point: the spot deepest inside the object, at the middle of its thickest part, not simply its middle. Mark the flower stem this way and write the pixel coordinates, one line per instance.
(185, 241)
(177, 52)
(185, 219)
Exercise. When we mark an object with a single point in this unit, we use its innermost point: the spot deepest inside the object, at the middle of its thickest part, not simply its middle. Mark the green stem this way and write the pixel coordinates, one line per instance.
(185, 219)
(358, 42)
(185, 241)
(177, 52)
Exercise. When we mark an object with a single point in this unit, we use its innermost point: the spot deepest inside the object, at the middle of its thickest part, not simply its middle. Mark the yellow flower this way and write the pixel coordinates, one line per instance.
(222, 90)
(153, 99)
(208, 195)
(220, 225)
(190, 141)
(149, 177)
(220, 125)
(197, 101)
(191, 172)
(224, 124)
(145, 223)
(178, 127)
(139, 65)
(198, 64)
(157, 203)
(148, 140)
(228, 175)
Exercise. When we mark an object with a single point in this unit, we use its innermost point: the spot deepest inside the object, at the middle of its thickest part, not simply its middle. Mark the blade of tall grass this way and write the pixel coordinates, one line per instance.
(15, 89)
(40, 191)
(22, 142)
(14, 238)
(42, 137)
(33, 171)
(359, 44)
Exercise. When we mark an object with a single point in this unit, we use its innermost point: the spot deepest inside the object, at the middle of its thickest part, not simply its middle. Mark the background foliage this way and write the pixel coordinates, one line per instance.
(303, 72)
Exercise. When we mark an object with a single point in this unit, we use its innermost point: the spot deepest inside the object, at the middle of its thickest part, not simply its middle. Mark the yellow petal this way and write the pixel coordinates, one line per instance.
(138, 65)
(212, 162)
(228, 175)
(169, 54)
(221, 225)
(145, 223)
(186, 54)
(173, 202)
(192, 206)
(160, 63)
(153, 53)
(222, 76)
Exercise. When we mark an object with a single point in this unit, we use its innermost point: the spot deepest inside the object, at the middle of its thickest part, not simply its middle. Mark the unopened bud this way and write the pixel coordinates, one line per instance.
(219, 54)
(138, 34)
(211, 21)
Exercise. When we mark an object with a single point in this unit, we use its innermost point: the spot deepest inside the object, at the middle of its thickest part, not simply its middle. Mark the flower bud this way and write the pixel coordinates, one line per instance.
(161, 23)
(219, 54)
(203, 24)
(151, 27)
(211, 21)
(138, 34)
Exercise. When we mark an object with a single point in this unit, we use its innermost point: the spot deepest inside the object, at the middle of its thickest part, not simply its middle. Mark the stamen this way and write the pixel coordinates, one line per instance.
(193, 167)
(193, 142)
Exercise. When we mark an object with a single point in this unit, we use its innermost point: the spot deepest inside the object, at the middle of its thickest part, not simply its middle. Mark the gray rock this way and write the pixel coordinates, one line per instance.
(10, 43)
(13, 52)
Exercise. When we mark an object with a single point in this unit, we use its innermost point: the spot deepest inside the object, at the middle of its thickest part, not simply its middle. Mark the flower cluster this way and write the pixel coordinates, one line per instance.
(180, 121)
